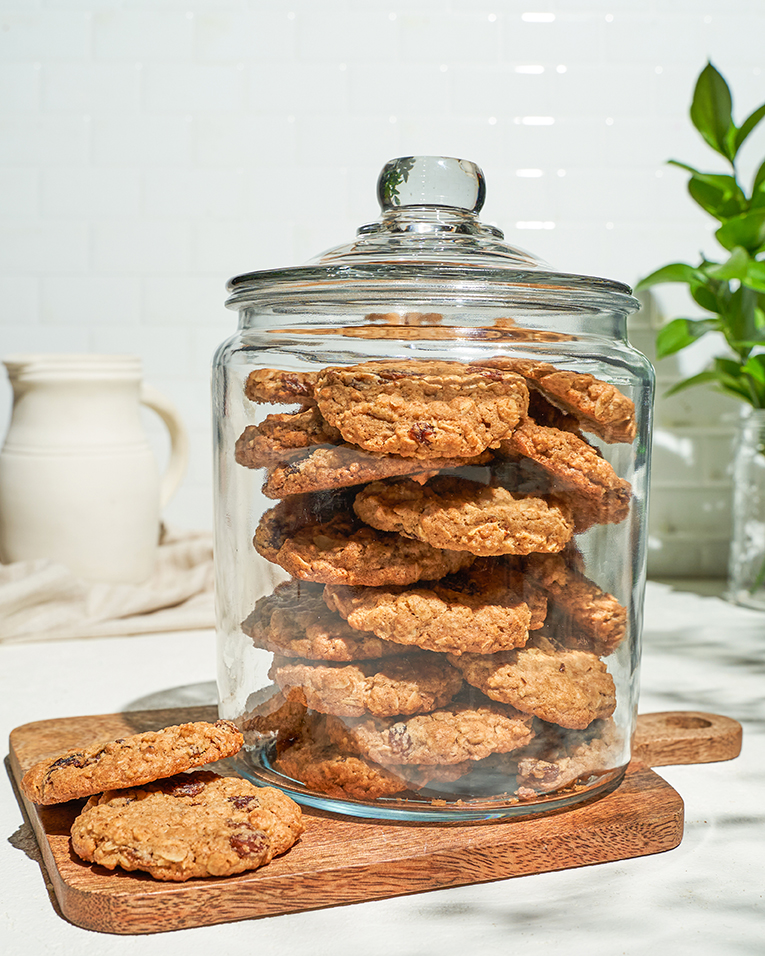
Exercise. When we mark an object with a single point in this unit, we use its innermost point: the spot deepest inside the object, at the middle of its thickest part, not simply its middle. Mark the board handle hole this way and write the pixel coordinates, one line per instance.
(686, 722)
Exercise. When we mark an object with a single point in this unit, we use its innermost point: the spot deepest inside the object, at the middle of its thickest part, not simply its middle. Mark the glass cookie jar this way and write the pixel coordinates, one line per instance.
(432, 469)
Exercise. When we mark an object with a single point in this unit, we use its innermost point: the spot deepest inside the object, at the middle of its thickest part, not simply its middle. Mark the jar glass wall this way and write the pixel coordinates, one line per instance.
(432, 470)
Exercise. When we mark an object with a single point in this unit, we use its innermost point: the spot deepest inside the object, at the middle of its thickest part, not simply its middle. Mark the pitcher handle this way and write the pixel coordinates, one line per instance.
(179, 440)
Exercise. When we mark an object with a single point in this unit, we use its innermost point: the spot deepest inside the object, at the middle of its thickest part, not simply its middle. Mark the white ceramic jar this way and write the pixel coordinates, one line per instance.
(79, 483)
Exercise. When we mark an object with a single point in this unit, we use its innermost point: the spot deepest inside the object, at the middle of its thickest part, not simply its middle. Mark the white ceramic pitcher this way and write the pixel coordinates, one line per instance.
(78, 481)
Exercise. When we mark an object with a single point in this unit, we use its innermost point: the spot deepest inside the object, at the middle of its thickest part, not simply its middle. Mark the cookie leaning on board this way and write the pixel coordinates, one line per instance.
(130, 761)
(145, 812)
(487, 461)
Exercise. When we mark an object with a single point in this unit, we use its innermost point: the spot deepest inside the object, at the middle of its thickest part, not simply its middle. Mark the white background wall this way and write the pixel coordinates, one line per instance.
(150, 149)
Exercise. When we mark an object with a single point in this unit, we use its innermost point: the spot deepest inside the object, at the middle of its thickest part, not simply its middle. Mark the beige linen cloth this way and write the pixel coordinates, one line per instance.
(43, 601)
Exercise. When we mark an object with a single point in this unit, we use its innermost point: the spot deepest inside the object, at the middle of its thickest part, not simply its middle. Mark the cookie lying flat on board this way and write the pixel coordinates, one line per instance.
(190, 825)
(130, 761)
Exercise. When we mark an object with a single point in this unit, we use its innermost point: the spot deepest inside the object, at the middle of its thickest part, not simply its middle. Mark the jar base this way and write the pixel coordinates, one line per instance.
(427, 804)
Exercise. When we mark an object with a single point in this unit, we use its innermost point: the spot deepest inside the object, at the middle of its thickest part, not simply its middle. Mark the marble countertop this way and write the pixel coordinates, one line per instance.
(706, 897)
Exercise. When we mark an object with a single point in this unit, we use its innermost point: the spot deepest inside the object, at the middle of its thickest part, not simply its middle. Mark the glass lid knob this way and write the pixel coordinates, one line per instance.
(431, 181)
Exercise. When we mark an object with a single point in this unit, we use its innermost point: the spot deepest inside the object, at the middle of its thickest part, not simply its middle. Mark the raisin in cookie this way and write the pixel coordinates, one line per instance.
(466, 516)
(483, 610)
(413, 684)
(566, 687)
(191, 825)
(425, 409)
(130, 761)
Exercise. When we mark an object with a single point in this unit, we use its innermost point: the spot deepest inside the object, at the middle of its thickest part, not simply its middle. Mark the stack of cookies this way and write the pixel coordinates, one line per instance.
(437, 630)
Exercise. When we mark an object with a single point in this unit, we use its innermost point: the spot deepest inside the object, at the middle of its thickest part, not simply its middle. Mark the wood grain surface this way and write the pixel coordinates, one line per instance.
(346, 860)
(677, 737)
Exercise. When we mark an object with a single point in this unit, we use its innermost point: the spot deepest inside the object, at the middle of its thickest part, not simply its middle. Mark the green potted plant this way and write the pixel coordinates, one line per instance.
(731, 293)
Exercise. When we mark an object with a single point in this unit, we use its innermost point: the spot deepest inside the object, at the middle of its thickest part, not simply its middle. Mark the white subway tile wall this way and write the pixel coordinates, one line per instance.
(150, 149)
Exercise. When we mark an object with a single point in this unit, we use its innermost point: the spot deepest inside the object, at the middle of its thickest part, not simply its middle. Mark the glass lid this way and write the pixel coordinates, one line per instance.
(429, 231)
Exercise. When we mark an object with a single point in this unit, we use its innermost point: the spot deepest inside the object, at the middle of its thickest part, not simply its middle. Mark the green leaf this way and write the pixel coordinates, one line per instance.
(755, 372)
(727, 376)
(680, 333)
(727, 367)
(731, 378)
(747, 346)
(747, 126)
(719, 202)
(740, 392)
(717, 193)
(739, 320)
(674, 272)
(758, 189)
(702, 378)
(711, 111)
(759, 179)
(690, 169)
(735, 267)
(725, 181)
(755, 367)
(755, 276)
(747, 230)
(705, 296)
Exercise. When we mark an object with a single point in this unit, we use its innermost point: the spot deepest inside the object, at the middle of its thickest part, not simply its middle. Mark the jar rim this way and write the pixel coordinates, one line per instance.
(564, 290)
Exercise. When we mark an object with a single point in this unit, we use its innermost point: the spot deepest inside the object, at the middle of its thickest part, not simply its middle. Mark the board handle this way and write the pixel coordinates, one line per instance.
(685, 737)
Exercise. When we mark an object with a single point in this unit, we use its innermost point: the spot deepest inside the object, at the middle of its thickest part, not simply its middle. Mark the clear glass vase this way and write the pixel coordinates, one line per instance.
(746, 568)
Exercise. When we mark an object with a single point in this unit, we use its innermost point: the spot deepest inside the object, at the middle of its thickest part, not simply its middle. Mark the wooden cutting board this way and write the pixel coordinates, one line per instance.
(348, 860)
